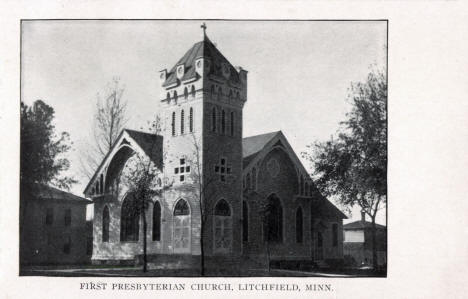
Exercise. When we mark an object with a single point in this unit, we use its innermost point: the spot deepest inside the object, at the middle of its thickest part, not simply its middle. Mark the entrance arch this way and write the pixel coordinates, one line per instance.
(182, 227)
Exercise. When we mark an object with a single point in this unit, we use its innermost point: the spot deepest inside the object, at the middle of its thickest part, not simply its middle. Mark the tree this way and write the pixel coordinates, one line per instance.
(141, 178)
(352, 166)
(203, 191)
(41, 152)
(109, 120)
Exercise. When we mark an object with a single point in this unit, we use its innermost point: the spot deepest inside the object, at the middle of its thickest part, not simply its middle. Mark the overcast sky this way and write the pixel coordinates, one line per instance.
(298, 80)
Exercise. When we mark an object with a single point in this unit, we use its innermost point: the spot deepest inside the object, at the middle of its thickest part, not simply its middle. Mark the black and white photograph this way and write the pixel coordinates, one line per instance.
(192, 148)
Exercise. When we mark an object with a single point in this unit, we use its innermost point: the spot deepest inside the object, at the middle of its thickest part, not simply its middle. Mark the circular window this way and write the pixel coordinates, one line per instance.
(273, 167)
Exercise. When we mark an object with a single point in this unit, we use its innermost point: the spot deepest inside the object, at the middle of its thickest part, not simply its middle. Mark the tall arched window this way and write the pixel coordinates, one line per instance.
(299, 225)
(182, 227)
(223, 121)
(185, 93)
(274, 227)
(232, 123)
(157, 221)
(191, 120)
(248, 182)
(302, 186)
(168, 97)
(220, 93)
(105, 224)
(245, 222)
(173, 124)
(101, 183)
(193, 91)
(213, 119)
(254, 178)
(222, 227)
(182, 122)
(175, 95)
(129, 221)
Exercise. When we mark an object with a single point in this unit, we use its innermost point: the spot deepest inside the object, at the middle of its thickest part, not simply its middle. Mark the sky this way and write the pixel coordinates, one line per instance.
(299, 72)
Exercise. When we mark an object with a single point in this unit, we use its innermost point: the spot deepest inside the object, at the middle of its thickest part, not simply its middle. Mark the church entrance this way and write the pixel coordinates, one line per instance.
(182, 227)
(222, 227)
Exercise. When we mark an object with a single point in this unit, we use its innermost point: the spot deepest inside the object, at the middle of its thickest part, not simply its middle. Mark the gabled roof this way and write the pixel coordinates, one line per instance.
(362, 225)
(252, 145)
(48, 192)
(150, 144)
(205, 49)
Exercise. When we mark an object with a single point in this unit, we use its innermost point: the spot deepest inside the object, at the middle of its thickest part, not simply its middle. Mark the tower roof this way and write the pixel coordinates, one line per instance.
(203, 49)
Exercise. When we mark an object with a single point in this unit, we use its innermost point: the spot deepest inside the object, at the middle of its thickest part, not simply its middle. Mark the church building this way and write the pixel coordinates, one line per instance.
(256, 200)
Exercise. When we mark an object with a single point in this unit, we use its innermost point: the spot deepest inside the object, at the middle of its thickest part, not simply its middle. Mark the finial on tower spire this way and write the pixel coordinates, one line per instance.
(203, 26)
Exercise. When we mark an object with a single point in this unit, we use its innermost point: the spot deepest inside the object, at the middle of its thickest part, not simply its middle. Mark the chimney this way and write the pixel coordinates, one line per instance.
(363, 216)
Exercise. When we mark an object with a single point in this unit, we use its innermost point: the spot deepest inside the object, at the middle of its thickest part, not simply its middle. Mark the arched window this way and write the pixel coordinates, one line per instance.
(212, 91)
(274, 215)
(105, 224)
(101, 183)
(254, 179)
(220, 93)
(182, 122)
(213, 119)
(248, 182)
(129, 220)
(232, 123)
(193, 91)
(245, 222)
(302, 186)
(223, 227)
(223, 121)
(185, 93)
(175, 95)
(306, 189)
(230, 94)
(173, 124)
(191, 119)
(157, 221)
(168, 97)
(182, 227)
(237, 95)
(311, 189)
(299, 225)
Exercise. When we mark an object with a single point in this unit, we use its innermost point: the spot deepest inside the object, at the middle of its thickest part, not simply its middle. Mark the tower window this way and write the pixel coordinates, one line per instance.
(182, 170)
(168, 97)
(173, 123)
(245, 222)
(222, 169)
(182, 120)
(185, 93)
(220, 93)
(213, 120)
(175, 95)
(67, 217)
(193, 91)
(232, 123)
(223, 121)
(191, 119)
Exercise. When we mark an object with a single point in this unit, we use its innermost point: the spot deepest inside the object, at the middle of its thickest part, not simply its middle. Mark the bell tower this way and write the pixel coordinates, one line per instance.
(203, 97)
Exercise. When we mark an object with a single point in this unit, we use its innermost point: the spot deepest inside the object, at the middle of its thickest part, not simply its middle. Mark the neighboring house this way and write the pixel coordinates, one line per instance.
(202, 99)
(54, 228)
(358, 242)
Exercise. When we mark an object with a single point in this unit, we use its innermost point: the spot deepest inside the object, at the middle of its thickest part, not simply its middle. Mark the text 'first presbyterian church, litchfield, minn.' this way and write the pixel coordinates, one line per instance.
(202, 99)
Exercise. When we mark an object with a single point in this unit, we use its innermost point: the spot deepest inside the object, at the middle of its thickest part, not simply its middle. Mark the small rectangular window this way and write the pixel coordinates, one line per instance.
(176, 170)
(222, 169)
(223, 161)
(182, 169)
(67, 218)
(229, 170)
(216, 169)
(49, 216)
(182, 178)
(187, 169)
(223, 178)
(67, 245)
(335, 234)
(182, 161)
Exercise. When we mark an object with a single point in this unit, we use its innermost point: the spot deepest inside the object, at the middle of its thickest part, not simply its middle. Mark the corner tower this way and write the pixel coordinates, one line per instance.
(203, 96)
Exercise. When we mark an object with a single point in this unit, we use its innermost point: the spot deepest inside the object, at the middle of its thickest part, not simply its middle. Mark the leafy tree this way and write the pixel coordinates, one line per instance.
(352, 166)
(41, 149)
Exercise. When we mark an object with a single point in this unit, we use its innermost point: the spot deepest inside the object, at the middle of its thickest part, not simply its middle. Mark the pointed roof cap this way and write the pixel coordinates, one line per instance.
(203, 49)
